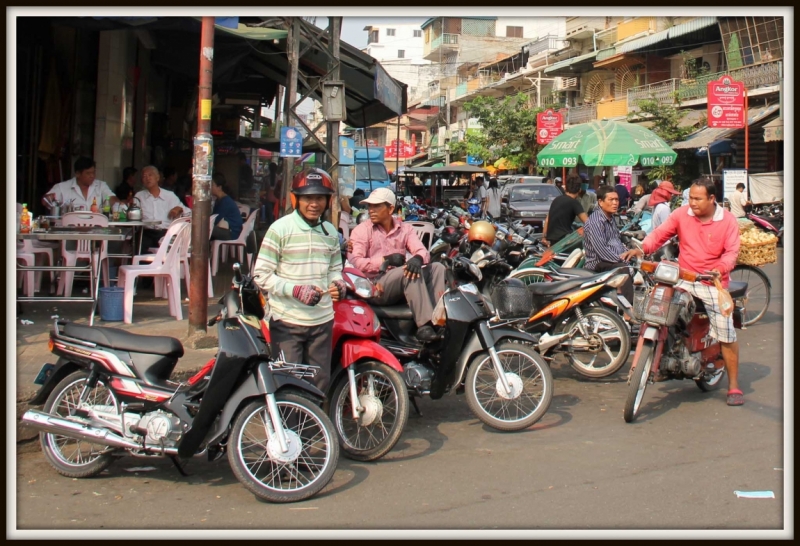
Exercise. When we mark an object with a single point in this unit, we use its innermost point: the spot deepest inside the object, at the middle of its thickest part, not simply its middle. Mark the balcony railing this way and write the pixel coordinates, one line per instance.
(753, 77)
(582, 114)
(444, 39)
(547, 43)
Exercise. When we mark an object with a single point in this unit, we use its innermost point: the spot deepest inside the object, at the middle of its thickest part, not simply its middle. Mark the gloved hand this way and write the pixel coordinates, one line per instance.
(341, 287)
(414, 266)
(307, 294)
(394, 260)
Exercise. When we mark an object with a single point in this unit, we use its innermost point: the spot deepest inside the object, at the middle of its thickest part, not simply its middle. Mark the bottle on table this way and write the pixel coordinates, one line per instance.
(94, 204)
(107, 207)
(123, 214)
(25, 219)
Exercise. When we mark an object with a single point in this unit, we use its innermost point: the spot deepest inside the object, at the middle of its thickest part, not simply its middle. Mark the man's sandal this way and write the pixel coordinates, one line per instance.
(735, 397)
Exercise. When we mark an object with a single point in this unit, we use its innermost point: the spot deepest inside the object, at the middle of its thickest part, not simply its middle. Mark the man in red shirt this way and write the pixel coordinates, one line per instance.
(386, 238)
(709, 241)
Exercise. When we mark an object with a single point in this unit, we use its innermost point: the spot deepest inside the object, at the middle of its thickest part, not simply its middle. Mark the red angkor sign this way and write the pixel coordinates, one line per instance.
(549, 125)
(726, 104)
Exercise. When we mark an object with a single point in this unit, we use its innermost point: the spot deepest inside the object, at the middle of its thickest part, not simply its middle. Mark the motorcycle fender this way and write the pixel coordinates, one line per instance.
(474, 346)
(651, 333)
(354, 350)
(61, 369)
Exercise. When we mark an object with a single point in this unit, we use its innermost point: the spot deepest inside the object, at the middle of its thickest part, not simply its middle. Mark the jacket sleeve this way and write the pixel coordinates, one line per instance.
(265, 270)
(732, 243)
(661, 234)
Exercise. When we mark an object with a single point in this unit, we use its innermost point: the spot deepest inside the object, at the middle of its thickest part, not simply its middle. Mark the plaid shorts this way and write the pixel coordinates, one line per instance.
(721, 327)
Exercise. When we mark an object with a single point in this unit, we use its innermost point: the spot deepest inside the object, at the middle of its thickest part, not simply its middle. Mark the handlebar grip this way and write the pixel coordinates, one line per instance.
(237, 273)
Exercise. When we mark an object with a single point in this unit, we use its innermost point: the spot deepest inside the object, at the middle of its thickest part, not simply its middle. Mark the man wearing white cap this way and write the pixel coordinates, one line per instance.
(387, 239)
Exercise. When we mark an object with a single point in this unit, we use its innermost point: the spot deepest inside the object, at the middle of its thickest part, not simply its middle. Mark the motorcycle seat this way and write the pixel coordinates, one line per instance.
(395, 312)
(553, 288)
(125, 341)
(737, 289)
(575, 272)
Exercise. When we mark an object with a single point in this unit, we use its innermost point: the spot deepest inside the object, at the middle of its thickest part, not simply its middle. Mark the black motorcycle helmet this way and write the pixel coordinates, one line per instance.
(450, 235)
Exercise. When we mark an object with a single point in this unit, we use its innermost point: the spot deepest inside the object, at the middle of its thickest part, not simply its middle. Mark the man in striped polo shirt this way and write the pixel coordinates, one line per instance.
(300, 267)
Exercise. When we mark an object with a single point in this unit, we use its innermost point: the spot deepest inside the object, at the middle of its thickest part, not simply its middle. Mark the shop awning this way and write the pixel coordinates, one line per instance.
(570, 66)
(707, 136)
(773, 130)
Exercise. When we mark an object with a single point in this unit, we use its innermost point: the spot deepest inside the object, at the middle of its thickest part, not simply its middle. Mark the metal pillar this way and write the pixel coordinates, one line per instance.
(447, 128)
(332, 129)
(201, 189)
(293, 54)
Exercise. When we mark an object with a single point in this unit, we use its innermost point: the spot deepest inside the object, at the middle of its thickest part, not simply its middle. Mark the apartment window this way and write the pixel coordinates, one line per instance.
(418, 34)
(401, 53)
(390, 32)
(513, 32)
(373, 37)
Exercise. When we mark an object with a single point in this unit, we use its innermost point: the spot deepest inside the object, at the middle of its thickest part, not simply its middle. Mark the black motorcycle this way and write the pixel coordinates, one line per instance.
(110, 394)
(509, 386)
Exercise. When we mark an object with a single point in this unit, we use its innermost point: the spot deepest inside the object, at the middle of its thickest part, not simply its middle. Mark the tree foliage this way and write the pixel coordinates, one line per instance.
(509, 130)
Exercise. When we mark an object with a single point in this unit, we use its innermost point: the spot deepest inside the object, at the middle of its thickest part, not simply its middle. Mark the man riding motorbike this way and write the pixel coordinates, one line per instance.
(386, 238)
(300, 266)
(709, 239)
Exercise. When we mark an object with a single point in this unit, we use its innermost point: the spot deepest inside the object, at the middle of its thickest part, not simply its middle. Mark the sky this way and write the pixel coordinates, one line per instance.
(353, 27)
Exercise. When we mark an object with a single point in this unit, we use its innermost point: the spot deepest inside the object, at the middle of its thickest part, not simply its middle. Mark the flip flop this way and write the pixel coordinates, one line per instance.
(735, 398)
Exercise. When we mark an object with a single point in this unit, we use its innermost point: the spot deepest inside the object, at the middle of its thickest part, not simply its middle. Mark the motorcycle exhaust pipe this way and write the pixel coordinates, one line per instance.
(52, 424)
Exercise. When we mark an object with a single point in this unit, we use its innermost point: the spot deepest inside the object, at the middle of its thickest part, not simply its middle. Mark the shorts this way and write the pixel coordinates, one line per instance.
(721, 327)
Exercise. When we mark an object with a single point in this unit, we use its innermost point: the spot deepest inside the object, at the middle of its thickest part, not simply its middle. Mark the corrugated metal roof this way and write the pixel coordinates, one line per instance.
(674, 32)
(604, 54)
(707, 136)
(567, 62)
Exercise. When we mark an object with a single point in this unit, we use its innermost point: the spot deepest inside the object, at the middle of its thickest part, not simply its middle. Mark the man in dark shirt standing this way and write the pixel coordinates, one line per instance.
(604, 248)
(563, 211)
(622, 192)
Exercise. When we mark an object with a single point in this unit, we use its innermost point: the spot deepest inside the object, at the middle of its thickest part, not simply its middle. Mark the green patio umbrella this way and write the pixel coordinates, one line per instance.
(608, 144)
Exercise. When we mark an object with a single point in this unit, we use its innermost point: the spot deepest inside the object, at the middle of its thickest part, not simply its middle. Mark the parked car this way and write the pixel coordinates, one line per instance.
(529, 203)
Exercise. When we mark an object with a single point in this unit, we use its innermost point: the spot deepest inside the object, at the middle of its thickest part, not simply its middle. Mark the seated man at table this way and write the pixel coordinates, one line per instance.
(83, 189)
(228, 223)
(157, 204)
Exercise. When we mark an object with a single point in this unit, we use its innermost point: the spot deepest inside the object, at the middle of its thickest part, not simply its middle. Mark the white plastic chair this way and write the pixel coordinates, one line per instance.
(27, 246)
(26, 278)
(243, 209)
(164, 264)
(574, 257)
(82, 252)
(237, 244)
(422, 230)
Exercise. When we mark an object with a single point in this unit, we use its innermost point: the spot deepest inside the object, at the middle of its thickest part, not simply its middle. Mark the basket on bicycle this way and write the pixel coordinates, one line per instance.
(511, 299)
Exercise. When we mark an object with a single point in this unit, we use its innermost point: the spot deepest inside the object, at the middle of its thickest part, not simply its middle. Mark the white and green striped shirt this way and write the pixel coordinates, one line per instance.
(293, 253)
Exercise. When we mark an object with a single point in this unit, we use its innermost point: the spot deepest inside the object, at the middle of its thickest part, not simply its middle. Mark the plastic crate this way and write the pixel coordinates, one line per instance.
(112, 303)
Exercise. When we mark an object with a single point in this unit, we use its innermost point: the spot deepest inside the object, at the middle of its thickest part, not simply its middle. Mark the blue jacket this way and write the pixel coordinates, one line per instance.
(228, 209)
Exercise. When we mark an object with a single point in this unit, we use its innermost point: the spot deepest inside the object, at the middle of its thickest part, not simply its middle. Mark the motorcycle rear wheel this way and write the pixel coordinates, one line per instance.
(301, 477)
(387, 412)
(712, 384)
(639, 376)
(616, 339)
(72, 457)
(530, 378)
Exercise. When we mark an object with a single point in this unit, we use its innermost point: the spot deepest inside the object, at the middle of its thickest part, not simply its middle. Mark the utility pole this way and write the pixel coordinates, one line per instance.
(397, 164)
(332, 129)
(447, 129)
(293, 54)
(201, 186)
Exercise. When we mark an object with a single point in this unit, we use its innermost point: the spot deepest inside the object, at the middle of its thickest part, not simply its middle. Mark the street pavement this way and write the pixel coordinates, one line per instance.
(580, 468)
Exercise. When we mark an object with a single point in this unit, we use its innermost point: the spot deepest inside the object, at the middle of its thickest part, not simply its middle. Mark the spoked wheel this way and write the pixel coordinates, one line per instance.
(268, 472)
(530, 276)
(384, 396)
(69, 456)
(756, 300)
(607, 347)
(528, 377)
(639, 375)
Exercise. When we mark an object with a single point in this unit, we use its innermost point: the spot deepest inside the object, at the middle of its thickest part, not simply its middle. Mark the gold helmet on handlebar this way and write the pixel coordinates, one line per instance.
(482, 231)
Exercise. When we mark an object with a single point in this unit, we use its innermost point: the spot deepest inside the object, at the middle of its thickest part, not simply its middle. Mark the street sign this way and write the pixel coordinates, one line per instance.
(731, 177)
(471, 160)
(549, 125)
(726, 104)
(406, 150)
(346, 151)
(291, 142)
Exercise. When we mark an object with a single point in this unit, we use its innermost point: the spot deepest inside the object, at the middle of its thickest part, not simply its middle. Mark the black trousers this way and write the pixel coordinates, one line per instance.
(627, 288)
(304, 345)
(150, 238)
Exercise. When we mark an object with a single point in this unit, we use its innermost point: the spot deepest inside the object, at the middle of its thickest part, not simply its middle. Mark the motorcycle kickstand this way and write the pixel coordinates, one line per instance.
(176, 462)
(414, 403)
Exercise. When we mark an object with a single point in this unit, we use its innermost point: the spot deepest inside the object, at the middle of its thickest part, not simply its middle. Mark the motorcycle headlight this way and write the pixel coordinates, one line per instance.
(667, 273)
(363, 287)
(439, 316)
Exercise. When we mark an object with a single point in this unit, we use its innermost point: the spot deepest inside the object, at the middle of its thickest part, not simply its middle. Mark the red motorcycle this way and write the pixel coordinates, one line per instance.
(673, 338)
(367, 399)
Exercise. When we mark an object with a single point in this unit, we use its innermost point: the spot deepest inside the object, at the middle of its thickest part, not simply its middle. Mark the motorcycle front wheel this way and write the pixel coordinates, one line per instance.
(71, 457)
(384, 396)
(640, 373)
(529, 378)
(607, 348)
(264, 469)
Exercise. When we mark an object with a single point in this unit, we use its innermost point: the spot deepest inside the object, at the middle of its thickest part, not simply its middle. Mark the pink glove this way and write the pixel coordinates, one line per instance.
(307, 294)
